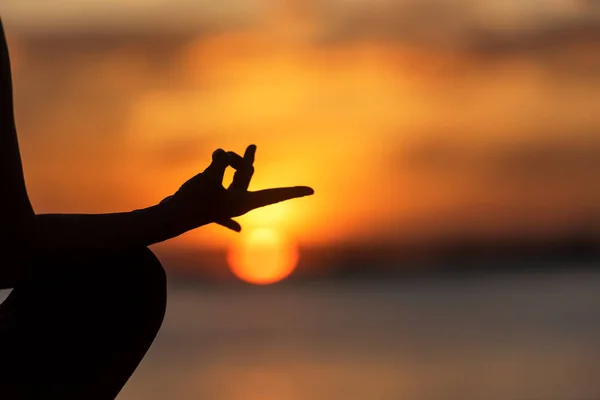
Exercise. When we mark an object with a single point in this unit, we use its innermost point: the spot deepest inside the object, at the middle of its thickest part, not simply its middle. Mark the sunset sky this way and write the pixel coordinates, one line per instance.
(409, 118)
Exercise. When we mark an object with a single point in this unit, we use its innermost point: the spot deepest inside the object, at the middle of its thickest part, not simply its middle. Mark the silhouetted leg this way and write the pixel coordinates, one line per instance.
(81, 332)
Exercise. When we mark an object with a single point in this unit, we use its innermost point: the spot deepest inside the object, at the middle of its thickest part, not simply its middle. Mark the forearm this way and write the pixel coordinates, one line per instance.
(55, 233)
(30, 243)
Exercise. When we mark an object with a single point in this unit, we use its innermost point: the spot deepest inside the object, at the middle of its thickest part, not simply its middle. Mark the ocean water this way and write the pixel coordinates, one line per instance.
(524, 337)
(511, 337)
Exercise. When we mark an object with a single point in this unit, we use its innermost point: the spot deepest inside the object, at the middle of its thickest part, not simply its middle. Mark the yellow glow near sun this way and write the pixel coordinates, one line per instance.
(262, 256)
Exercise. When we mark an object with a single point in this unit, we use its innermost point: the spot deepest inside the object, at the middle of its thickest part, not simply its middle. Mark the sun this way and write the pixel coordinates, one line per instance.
(262, 256)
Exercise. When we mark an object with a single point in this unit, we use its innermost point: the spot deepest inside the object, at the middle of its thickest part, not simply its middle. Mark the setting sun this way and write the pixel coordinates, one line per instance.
(262, 257)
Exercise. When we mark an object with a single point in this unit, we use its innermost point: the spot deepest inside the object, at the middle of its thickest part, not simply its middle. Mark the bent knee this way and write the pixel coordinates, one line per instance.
(139, 277)
(100, 289)
(141, 266)
(134, 284)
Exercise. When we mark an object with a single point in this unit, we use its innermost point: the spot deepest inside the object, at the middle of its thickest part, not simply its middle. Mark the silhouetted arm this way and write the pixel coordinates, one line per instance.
(61, 232)
(199, 201)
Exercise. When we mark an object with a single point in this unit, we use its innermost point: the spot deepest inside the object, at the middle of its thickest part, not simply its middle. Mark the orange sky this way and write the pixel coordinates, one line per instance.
(115, 124)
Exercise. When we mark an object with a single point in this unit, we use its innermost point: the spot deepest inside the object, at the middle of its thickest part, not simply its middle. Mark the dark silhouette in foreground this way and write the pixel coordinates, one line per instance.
(89, 296)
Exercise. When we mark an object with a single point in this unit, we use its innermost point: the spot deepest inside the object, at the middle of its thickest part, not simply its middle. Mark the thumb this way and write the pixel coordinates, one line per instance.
(231, 224)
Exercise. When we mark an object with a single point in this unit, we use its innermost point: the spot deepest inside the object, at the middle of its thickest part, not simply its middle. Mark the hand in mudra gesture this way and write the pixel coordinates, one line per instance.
(203, 199)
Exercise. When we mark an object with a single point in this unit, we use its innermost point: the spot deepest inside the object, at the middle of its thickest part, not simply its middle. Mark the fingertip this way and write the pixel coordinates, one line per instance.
(235, 226)
(250, 153)
(219, 155)
(231, 225)
(306, 191)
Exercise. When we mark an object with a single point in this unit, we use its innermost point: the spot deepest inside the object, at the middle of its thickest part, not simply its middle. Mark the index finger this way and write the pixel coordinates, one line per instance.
(268, 197)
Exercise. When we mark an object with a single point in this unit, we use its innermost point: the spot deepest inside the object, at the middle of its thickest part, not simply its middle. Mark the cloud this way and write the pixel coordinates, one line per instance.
(484, 28)
(123, 15)
(565, 161)
(491, 26)
(550, 39)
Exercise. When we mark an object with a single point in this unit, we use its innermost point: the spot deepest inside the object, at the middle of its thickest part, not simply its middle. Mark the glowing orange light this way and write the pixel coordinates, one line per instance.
(262, 257)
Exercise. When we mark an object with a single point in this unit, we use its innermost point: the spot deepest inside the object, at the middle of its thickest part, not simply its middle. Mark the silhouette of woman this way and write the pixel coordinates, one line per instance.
(89, 296)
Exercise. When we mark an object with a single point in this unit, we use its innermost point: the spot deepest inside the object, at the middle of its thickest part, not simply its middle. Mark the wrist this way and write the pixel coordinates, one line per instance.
(172, 219)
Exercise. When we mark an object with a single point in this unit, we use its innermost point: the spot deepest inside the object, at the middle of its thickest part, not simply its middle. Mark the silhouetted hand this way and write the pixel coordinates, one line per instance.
(203, 199)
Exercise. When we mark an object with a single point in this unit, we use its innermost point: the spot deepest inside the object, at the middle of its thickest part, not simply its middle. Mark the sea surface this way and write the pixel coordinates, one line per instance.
(508, 337)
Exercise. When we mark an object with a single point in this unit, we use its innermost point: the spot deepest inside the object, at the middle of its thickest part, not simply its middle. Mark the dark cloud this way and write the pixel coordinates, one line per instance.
(458, 26)
(548, 40)
(423, 23)
(124, 17)
(461, 25)
(61, 50)
(541, 162)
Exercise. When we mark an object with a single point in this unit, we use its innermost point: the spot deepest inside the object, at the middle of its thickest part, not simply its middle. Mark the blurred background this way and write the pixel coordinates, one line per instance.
(452, 248)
